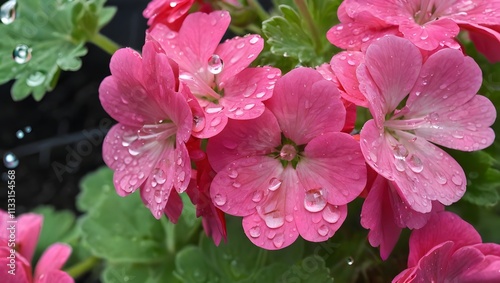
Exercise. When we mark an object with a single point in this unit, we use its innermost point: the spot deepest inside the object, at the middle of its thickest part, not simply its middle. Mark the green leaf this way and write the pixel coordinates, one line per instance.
(94, 188)
(140, 273)
(300, 34)
(192, 267)
(311, 269)
(119, 229)
(55, 31)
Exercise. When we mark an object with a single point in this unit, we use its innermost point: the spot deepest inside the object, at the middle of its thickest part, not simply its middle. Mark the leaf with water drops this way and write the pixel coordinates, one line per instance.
(42, 37)
(290, 35)
(118, 229)
(140, 273)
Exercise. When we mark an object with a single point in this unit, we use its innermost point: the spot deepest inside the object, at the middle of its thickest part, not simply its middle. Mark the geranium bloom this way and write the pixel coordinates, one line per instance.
(448, 249)
(147, 148)
(289, 171)
(168, 12)
(27, 229)
(442, 107)
(385, 213)
(218, 75)
(429, 24)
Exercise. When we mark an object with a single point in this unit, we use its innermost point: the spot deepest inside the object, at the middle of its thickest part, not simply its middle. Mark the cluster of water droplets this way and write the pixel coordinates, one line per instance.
(403, 159)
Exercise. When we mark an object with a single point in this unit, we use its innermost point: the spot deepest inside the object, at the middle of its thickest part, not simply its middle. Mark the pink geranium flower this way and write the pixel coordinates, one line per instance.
(146, 149)
(448, 249)
(429, 24)
(218, 74)
(385, 213)
(289, 171)
(169, 12)
(442, 107)
(27, 230)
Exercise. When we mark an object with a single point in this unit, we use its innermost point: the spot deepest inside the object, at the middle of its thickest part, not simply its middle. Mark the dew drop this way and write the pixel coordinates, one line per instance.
(339, 27)
(35, 79)
(274, 219)
(415, 164)
(159, 176)
(216, 121)
(457, 135)
(198, 123)
(173, 4)
(233, 174)
(257, 196)
(314, 200)
(440, 178)
(157, 196)
(254, 40)
(351, 62)
(8, 12)
(350, 261)
(182, 176)
(10, 160)
(21, 54)
(400, 152)
(279, 240)
(213, 109)
(323, 230)
(331, 214)
(274, 184)
(456, 180)
(255, 232)
(249, 106)
(215, 64)
(289, 218)
(220, 200)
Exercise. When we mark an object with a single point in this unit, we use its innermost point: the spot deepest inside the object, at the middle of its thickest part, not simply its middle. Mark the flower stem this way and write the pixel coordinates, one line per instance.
(104, 43)
(261, 12)
(82, 267)
(304, 11)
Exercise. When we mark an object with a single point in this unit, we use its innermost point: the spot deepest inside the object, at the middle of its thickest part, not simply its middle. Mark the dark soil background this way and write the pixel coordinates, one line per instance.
(67, 126)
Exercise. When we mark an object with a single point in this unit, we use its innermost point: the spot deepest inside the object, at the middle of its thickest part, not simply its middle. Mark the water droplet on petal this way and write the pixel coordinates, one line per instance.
(279, 240)
(157, 196)
(249, 106)
(457, 135)
(314, 200)
(215, 64)
(257, 196)
(212, 109)
(220, 200)
(400, 152)
(10, 160)
(233, 174)
(198, 123)
(331, 214)
(351, 62)
(35, 79)
(254, 40)
(415, 164)
(21, 54)
(457, 180)
(159, 176)
(216, 121)
(323, 230)
(254, 231)
(8, 12)
(182, 176)
(274, 184)
(274, 219)
(173, 4)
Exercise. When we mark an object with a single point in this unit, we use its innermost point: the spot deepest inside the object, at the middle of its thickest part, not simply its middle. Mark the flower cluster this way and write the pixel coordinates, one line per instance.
(281, 152)
(18, 240)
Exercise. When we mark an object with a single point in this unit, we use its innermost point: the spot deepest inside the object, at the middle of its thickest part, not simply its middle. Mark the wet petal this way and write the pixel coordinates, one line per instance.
(53, 258)
(432, 34)
(28, 226)
(321, 225)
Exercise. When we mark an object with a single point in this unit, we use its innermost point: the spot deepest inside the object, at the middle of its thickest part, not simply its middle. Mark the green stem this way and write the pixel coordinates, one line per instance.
(82, 267)
(104, 43)
(304, 11)
(170, 231)
(261, 12)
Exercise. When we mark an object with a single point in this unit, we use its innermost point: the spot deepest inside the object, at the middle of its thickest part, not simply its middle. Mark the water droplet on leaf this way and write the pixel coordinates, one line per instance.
(35, 79)
(21, 54)
(8, 12)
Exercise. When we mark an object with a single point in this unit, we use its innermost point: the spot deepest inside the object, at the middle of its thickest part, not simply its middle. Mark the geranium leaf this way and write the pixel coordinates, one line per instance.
(140, 273)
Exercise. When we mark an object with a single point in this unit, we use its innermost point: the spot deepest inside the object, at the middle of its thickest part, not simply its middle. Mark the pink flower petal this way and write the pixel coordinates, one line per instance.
(55, 276)
(422, 171)
(244, 138)
(237, 54)
(321, 225)
(432, 267)
(432, 34)
(22, 267)
(481, 12)
(273, 226)
(28, 227)
(378, 215)
(131, 159)
(53, 258)
(333, 162)
(182, 168)
(344, 65)
(442, 227)
(465, 260)
(243, 184)
(486, 40)
(393, 74)
(173, 208)
(297, 94)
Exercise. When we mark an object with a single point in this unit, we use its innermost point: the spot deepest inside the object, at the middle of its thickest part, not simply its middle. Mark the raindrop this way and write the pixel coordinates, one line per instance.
(215, 64)
(279, 240)
(254, 40)
(351, 62)
(173, 4)
(159, 176)
(339, 27)
(20, 134)
(255, 231)
(350, 260)
(198, 123)
(440, 178)
(181, 177)
(220, 200)
(10, 160)
(274, 219)
(323, 230)
(331, 214)
(213, 109)
(35, 79)
(21, 54)
(433, 117)
(157, 197)
(257, 196)
(456, 180)
(233, 174)
(400, 152)
(274, 184)
(457, 135)
(314, 200)
(8, 12)
(216, 121)
(415, 164)
(249, 106)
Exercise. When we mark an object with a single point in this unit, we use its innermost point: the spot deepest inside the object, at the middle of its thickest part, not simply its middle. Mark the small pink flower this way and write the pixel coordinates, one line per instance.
(428, 24)
(218, 74)
(385, 213)
(147, 148)
(47, 270)
(442, 107)
(168, 12)
(448, 249)
(289, 171)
